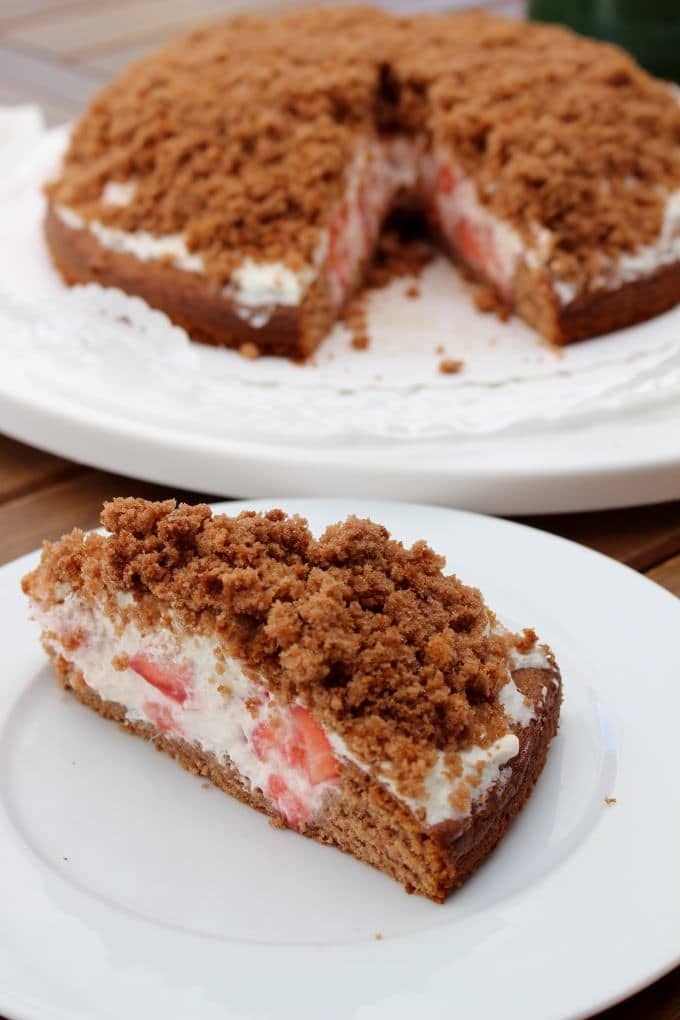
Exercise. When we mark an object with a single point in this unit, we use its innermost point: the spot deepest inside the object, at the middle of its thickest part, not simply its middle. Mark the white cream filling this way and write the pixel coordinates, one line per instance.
(648, 258)
(446, 799)
(504, 247)
(378, 172)
(220, 722)
(497, 247)
(380, 169)
(256, 287)
(118, 193)
(139, 243)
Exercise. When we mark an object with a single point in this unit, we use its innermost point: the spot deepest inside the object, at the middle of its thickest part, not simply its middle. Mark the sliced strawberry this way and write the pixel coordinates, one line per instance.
(369, 214)
(263, 740)
(168, 677)
(446, 180)
(473, 244)
(286, 802)
(307, 747)
(160, 715)
(338, 252)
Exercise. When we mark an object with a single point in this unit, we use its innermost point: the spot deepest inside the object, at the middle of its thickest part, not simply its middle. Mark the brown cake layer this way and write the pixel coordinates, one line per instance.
(597, 312)
(189, 299)
(366, 820)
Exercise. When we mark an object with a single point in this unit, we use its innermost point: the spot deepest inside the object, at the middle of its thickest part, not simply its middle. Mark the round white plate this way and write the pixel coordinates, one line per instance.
(130, 890)
(93, 374)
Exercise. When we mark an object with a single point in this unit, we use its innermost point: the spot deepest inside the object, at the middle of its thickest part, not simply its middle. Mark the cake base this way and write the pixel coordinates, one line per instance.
(364, 819)
(200, 308)
(188, 299)
(592, 314)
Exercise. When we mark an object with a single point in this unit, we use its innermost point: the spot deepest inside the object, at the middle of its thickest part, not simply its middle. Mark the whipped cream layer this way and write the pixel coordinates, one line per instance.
(381, 168)
(256, 287)
(185, 686)
(486, 243)
(495, 249)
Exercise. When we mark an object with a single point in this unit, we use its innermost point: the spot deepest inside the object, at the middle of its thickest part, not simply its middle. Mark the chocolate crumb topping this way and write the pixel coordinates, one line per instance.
(239, 136)
(387, 650)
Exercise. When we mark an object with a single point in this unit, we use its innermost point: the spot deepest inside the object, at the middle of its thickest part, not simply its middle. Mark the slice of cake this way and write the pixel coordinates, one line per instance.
(238, 179)
(344, 685)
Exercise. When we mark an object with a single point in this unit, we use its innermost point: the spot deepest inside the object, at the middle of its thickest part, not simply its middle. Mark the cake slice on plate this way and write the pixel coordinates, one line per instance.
(343, 685)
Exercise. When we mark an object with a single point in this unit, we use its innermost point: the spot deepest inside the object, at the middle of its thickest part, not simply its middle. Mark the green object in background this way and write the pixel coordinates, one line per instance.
(649, 29)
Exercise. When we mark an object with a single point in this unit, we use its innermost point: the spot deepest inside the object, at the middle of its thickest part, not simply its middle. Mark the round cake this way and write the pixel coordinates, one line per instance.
(238, 179)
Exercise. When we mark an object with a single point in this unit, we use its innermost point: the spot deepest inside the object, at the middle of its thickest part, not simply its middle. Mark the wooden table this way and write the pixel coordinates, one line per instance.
(58, 53)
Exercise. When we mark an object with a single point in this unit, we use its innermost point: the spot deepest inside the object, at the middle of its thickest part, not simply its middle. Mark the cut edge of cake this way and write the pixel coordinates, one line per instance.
(270, 308)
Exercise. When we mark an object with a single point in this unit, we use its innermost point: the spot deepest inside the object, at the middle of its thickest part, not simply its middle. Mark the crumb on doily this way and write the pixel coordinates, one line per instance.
(610, 800)
(450, 366)
(399, 252)
(487, 299)
(249, 350)
(354, 317)
(378, 936)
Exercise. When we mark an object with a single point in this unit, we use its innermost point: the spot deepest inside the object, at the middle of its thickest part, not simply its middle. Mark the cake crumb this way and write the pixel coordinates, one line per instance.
(361, 342)
(206, 786)
(400, 252)
(253, 706)
(450, 366)
(487, 299)
(439, 349)
(249, 350)
(378, 936)
(610, 800)
(413, 291)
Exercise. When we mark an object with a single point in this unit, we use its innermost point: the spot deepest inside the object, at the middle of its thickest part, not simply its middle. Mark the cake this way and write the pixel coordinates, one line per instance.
(238, 178)
(343, 685)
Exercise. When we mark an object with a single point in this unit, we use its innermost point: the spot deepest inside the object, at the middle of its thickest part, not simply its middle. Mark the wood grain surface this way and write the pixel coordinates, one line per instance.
(58, 53)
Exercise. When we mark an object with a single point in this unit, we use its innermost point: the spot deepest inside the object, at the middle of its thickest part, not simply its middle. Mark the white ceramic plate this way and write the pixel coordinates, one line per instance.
(129, 890)
(96, 375)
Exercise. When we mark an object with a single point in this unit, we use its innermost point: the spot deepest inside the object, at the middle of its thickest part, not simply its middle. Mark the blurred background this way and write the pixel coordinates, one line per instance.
(58, 53)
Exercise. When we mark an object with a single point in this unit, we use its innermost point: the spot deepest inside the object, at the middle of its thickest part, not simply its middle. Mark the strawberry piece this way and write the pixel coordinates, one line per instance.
(169, 678)
(286, 802)
(263, 741)
(307, 747)
(160, 715)
(368, 214)
(338, 251)
(446, 181)
(473, 243)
